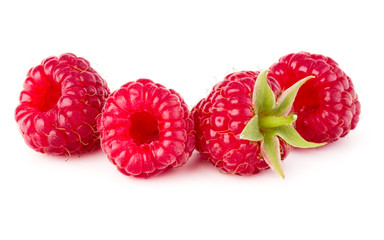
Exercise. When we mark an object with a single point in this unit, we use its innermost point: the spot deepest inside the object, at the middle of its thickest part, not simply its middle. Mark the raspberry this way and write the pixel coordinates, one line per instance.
(221, 117)
(146, 129)
(60, 101)
(327, 106)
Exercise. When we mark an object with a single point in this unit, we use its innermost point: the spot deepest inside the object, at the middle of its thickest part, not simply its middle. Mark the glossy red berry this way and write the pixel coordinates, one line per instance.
(60, 101)
(327, 106)
(146, 128)
(220, 119)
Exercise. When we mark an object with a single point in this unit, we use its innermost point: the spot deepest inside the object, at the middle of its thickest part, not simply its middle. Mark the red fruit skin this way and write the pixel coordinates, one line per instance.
(58, 106)
(327, 106)
(146, 128)
(221, 117)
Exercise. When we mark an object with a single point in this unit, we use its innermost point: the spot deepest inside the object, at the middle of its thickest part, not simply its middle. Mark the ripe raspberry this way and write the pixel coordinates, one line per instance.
(327, 106)
(146, 128)
(220, 119)
(60, 101)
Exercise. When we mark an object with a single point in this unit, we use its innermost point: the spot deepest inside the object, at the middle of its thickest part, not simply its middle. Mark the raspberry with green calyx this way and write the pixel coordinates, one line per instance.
(240, 126)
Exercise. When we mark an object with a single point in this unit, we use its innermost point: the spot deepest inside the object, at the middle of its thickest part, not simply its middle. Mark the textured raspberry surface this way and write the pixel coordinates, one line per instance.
(146, 128)
(221, 117)
(327, 106)
(60, 101)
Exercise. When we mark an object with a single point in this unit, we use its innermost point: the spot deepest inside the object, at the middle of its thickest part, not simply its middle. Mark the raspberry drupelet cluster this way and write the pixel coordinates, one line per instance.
(146, 128)
(60, 101)
(220, 119)
(327, 106)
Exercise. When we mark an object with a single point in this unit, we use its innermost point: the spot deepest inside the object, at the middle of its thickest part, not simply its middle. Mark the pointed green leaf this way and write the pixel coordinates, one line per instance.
(251, 131)
(292, 137)
(270, 150)
(285, 101)
(263, 98)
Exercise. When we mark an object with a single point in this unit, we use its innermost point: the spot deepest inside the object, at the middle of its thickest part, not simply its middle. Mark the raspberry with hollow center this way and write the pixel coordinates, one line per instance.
(146, 128)
(60, 101)
(327, 106)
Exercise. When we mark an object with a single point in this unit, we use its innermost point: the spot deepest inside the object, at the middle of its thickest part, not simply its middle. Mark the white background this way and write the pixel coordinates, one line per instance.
(335, 192)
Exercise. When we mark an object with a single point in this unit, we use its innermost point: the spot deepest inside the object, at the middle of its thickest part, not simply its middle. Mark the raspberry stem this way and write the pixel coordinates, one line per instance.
(274, 121)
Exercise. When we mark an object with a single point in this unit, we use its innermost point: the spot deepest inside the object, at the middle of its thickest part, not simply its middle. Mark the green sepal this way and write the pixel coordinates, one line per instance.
(285, 101)
(263, 97)
(292, 137)
(251, 131)
(270, 150)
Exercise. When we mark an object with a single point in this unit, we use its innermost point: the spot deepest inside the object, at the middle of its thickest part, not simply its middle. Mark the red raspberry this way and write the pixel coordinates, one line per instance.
(327, 106)
(59, 104)
(220, 119)
(146, 128)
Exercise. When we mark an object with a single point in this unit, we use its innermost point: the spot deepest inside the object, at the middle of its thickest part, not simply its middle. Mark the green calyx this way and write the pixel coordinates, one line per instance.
(271, 121)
